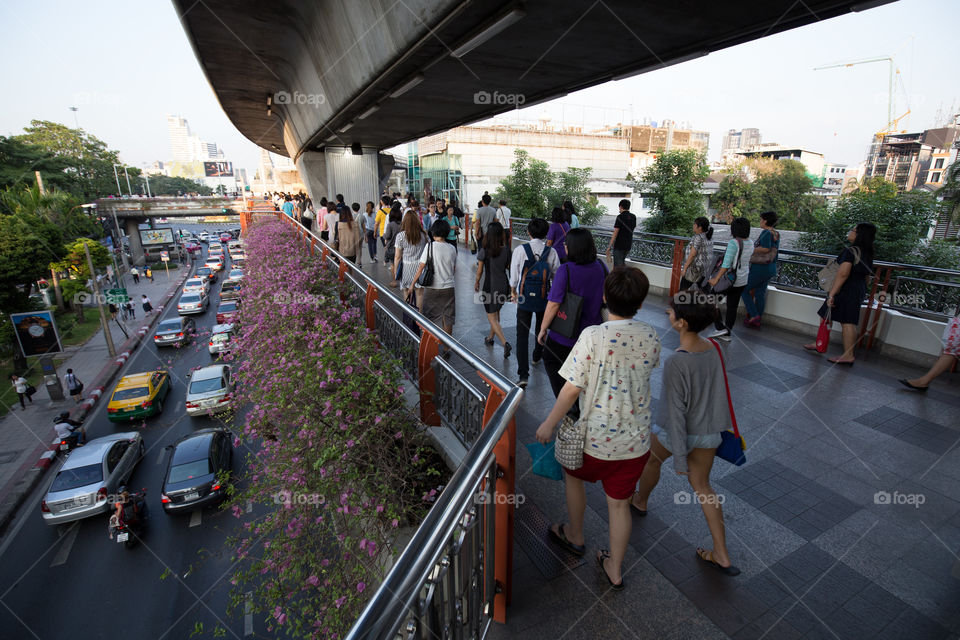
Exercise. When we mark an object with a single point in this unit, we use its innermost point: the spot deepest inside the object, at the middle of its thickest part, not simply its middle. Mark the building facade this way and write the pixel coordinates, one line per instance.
(739, 140)
(913, 160)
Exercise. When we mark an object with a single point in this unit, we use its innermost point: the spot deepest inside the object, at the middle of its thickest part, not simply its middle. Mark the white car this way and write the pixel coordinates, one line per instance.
(215, 263)
(235, 274)
(210, 390)
(193, 302)
(220, 338)
(203, 236)
(89, 476)
(215, 247)
(193, 285)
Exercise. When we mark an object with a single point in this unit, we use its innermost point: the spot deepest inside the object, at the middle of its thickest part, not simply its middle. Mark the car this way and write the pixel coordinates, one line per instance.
(221, 337)
(215, 262)
(210, 390)
(210, 275)
(193, 302)
(234, 246)
(89, 476)
(192, 247)
(193, 285)
(227, 311)
(238, 260)
(139, 395)
(231, 290)
(225, 237)
(176, 331)
(235, 274)
(204, 236)
(194, 476)
(215, 247)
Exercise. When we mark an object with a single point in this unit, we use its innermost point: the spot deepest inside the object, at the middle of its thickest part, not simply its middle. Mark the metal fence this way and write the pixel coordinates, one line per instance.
(454, 576)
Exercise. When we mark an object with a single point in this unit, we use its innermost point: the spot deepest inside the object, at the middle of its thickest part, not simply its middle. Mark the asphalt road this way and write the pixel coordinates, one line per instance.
(72, 581)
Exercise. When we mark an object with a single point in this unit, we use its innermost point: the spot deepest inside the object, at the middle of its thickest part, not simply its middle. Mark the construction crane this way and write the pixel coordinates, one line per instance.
(894, 73)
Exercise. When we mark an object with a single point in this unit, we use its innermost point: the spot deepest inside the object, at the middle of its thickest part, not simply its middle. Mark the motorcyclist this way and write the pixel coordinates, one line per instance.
(69, 430)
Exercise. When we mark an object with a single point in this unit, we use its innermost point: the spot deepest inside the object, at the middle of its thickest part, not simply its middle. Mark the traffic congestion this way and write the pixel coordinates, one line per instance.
(127, 522)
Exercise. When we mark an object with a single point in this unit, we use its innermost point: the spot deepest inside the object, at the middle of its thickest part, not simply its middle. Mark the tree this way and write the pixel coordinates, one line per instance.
(172, 186)
(60, 208)
(88, 162)
(735, 198)
(786, 191)
(27, 246)
(674, 180)
(19, 161)
(950, 192)
(74, 260)
(533, 190)
(902, 223)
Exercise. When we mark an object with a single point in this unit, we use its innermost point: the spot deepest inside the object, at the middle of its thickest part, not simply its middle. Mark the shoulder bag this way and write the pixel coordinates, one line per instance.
(732, 445)
(828, 274)
(769, 256)
(426, 276)
(571, 438)
(567, 320)
(729, 277)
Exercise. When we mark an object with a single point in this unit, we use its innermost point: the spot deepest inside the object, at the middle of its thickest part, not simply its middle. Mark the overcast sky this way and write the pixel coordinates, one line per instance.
(126, 65)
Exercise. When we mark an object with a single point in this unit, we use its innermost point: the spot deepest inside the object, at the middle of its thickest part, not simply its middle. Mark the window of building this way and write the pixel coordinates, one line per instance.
(935, 176)
(938, 163)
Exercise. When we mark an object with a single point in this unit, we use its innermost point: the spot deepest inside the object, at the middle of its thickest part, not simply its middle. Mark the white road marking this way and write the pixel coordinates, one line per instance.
(249, 506)
(160, 456)
(66, 545)
(195, 518)
(179, 406)
(248, 614)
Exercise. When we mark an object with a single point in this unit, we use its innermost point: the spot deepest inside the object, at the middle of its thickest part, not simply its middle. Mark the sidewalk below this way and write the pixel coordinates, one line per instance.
(25, 431)
(845, 520)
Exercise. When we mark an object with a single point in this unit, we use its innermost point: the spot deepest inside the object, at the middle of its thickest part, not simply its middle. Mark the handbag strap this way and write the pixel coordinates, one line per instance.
(723, 366)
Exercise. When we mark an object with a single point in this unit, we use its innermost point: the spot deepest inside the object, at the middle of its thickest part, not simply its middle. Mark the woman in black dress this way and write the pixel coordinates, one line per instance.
(849, 289)
(492, 283)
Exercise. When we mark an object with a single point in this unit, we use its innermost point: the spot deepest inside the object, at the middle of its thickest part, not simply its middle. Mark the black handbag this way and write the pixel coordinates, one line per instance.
(426, 276)
(567, 320)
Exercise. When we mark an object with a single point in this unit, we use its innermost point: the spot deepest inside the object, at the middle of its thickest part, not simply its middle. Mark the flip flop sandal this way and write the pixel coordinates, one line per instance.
(560, 538)
(730, 571)
(914, 387)
(602, 555)
(640, 512)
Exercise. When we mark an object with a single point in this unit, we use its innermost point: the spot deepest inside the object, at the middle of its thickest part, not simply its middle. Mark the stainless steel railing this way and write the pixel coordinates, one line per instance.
(452, 579)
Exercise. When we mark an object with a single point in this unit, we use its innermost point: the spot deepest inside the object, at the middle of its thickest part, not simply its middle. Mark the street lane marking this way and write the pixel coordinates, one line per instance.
(249, 506)
(179, 406)
(160, 457)
(66, 545)
(248, 614)
(195, 518)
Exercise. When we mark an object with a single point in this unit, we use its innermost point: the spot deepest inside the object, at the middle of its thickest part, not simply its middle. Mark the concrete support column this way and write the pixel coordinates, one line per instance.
(132, 227)
(312, 166)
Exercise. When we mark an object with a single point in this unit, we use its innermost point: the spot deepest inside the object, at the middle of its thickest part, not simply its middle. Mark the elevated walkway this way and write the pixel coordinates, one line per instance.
(845, 519)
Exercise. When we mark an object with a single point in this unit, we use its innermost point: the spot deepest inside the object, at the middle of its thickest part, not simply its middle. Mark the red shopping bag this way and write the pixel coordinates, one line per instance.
(823, 334)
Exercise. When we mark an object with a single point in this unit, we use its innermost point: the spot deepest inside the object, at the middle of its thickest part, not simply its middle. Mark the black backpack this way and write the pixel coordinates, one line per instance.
(535, 281)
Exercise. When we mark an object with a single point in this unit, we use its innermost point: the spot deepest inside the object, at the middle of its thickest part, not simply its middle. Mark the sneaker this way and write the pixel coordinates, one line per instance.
(522, 382)
(535, 361)
(506, 350)
(725, 336)
(720, 333)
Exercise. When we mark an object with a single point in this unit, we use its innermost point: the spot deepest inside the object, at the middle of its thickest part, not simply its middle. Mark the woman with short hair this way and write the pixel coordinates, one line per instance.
(763, 268)
(559, 228)
(439, 303)
(735, 267)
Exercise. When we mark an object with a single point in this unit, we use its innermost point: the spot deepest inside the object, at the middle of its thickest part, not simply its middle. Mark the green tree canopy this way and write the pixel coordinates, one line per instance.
(674, 180)
(74, 260)
(161, 185)
(19, 160)
(533, 190)
(60, 208)
(28, 244)
(786, 192)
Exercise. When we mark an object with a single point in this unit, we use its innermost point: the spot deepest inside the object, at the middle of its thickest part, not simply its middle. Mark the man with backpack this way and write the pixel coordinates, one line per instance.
(532, 268)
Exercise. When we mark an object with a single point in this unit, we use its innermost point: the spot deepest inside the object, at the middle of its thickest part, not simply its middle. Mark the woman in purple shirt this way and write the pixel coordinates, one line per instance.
(556, 236)
(584, 275)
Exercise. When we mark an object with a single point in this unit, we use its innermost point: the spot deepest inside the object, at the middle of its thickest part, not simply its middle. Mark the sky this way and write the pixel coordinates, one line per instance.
(126, 65)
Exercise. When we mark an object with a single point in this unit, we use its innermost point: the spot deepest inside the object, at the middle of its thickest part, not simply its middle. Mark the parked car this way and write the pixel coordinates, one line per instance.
(175, 331)
(221, 337)
(231, 290)
(194, 302)
(191, 480)
(210, 390)
(235, 274)
(193, 285)
(206, 272)
(227, 311)
(138, 396)
(89, 475)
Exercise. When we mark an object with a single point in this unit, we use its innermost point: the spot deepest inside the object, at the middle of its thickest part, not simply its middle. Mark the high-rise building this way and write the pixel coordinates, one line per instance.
(740, 140)
(913, 160)
(180, 144)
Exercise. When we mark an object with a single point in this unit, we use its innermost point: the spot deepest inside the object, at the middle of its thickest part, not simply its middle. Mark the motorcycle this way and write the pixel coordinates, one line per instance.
(72, 441)
(129, 523)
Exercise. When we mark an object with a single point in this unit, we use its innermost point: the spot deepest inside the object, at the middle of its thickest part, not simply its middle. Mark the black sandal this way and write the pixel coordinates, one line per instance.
(602, 555)
(912, 387)
(730, 571)
(559, 537)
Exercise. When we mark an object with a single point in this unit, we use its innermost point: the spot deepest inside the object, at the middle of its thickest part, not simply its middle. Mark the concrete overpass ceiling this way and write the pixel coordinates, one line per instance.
(383, 72)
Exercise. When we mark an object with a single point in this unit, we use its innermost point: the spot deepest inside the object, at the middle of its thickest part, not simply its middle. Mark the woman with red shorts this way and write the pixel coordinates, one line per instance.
(610, 365)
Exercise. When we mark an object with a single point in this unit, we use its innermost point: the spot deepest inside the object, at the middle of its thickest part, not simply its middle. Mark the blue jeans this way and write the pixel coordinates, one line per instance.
(756, 303)
(372, 243)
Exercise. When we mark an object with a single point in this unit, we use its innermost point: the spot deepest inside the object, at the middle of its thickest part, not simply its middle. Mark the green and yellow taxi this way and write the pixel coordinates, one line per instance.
(138, 396)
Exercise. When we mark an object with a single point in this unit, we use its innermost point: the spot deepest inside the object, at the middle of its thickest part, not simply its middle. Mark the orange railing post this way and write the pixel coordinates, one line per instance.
(506, 454)
(324, 254)
(871, 317)
(429, 348)
(368, 306)
(341, 278)
(678, 247)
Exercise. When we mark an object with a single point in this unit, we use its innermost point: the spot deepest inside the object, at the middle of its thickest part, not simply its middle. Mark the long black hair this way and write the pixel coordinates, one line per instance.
(493, 239)
(704, 224)
(866, 234)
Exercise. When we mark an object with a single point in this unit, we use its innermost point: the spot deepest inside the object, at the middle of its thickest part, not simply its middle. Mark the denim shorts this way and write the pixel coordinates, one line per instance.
(708, 441)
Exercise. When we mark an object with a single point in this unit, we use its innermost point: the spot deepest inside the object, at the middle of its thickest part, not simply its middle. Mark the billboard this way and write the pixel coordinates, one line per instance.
(156, 236)
(218, 169)
(36, 332)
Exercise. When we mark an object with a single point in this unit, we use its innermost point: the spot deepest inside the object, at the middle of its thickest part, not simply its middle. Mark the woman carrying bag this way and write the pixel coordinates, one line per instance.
(574, 302)
(409, 245)
(699, 254)
(731, 278)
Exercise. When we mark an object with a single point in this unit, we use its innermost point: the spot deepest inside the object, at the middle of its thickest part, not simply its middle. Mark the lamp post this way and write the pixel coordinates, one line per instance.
(117, 178)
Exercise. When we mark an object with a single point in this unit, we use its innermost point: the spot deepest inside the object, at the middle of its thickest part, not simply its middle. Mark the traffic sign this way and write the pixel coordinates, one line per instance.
(165, 256)
(116, 296)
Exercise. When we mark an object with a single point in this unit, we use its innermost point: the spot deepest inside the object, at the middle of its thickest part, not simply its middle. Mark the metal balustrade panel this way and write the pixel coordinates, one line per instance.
(458, 402)
(398, 339)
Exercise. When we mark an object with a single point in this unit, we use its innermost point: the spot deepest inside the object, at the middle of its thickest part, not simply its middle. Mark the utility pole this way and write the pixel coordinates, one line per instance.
(104, 323)
(117, 178)
(127, 175)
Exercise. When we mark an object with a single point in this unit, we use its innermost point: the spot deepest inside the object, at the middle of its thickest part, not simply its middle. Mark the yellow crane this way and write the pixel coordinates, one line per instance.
(894, 73)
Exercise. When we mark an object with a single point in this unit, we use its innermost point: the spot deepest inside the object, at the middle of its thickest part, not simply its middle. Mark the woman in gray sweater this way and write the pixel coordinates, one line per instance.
(693, 411)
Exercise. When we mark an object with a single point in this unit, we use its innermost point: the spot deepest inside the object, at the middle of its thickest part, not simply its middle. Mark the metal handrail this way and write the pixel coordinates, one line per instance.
(396, 595)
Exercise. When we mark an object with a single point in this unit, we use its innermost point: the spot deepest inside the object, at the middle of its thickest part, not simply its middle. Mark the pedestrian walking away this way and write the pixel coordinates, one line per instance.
(74, 386)
(145, 303)
(622, 239)
(439, 299)
(149, 274)
(370, 231)
(610, 366)
(692, 413)
(409, 245)
(532, 269)
(492, 283)
(557, 234)
(763, 268)
(948, 356)
(22, 387)
(390, 236)
(484, 216)
(136, 275)
(131, 309)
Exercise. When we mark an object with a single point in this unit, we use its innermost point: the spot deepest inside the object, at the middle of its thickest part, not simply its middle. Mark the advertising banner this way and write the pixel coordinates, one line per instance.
(156, 236)
(218, 169)
(36, 332)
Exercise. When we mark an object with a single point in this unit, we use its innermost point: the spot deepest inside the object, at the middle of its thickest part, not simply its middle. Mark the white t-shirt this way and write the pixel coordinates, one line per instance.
(444, 264)
(611, 363)
(331, 221)
(64, 429)
(503, 216)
